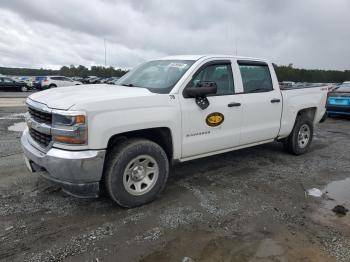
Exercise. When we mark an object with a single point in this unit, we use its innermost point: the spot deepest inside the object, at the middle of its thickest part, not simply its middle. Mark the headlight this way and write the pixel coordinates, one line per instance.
(69, 127)
(67, 120)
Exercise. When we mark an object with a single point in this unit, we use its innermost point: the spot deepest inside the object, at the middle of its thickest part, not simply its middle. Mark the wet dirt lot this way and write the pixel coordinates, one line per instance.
(248, 205)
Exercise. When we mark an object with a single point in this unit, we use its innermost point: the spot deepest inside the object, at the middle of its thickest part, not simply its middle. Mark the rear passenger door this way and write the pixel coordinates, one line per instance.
(262, 104)
(60, 80)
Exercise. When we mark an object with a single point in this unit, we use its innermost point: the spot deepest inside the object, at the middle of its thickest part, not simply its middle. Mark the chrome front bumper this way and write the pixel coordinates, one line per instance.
(79, 172)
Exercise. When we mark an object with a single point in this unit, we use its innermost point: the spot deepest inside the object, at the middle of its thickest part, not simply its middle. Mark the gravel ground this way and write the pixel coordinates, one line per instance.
(247, 205)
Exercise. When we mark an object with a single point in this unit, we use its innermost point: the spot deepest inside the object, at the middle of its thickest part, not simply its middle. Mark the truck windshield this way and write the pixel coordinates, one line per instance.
(158, 76)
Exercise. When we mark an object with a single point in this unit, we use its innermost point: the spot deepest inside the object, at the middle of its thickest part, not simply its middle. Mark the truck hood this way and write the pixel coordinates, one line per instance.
(65, 97)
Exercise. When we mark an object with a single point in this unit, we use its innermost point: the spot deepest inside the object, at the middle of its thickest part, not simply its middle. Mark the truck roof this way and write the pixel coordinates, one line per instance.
(197, 57)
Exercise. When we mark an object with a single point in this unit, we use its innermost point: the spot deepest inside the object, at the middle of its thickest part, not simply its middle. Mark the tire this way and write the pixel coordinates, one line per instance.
(300, 139)
(124, 178)
(52, 86)
(24, 89)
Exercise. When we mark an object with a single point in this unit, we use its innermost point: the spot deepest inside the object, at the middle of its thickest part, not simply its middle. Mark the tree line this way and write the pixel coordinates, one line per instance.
(288, 73)
(80, 71)
(284, 73)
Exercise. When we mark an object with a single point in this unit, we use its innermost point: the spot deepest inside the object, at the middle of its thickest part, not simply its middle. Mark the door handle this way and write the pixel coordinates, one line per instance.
(234, 104)
(275, 100)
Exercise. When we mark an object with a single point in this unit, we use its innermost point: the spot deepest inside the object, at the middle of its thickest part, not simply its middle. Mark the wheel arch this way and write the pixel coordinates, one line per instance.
(160, 135)
(308, 113)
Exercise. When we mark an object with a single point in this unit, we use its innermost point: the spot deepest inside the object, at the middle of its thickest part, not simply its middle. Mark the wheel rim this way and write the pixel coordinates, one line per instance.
(24, 89)
(140, 175)
(304, 136)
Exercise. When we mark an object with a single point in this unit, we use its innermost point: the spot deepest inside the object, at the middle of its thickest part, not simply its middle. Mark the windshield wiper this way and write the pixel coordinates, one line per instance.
(130, 85)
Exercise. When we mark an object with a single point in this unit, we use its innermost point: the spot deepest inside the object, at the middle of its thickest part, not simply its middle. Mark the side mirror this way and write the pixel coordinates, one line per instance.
(202, 89)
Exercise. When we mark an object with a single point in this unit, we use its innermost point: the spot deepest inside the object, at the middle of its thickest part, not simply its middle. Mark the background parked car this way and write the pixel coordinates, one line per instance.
(113, 80)
(92, 80)
(338, 102)
(8, 84)
(58, 81)
(77, 78)
(37, 82)
(24, 79)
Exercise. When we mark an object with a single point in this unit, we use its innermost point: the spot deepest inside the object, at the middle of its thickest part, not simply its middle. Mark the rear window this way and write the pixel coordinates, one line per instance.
(256, 77)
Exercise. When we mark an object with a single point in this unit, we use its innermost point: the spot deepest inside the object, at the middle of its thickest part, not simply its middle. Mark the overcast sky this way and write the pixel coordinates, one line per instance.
(48, 33)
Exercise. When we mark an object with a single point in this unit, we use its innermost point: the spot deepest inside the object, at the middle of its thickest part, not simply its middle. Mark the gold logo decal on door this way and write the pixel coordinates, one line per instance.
(215, 119)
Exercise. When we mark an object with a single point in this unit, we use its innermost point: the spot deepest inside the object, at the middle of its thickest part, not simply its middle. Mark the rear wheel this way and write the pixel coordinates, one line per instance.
(136, 172)
(52, 86)
(299, 140)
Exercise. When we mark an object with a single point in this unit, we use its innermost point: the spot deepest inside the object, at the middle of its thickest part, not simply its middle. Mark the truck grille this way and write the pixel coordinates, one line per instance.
(39, 116)
(40, 138)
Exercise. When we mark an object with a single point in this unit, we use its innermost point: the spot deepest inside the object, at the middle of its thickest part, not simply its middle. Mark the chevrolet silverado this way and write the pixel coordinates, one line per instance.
(123, 138)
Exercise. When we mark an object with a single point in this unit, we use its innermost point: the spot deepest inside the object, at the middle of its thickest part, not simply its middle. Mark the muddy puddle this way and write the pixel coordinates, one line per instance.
(18, 127)
(204, 246)
(335, 193)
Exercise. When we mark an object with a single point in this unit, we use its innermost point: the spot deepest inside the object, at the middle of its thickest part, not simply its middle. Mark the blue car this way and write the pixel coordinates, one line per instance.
(37, 82)
(338, 102)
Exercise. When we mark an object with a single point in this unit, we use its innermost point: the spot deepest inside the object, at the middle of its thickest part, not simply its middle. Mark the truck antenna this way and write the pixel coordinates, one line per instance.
(236, 46)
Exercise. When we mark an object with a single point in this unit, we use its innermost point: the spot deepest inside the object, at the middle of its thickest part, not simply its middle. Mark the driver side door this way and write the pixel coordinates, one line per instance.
(218, 127)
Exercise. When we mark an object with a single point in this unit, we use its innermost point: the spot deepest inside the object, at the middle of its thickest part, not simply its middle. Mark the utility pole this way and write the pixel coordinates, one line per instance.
(104, 40)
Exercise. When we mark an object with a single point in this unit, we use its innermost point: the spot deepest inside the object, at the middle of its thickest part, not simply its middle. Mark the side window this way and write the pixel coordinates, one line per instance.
(7, 80)
(55, 78)
(255, 78)
(221, 74)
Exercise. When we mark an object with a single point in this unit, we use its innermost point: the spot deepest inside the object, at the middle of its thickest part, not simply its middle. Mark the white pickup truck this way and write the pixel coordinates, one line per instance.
(123, 138)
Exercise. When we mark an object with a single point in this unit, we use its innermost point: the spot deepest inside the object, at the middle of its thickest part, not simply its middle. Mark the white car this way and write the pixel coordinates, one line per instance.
(58, 81)
(125, 137)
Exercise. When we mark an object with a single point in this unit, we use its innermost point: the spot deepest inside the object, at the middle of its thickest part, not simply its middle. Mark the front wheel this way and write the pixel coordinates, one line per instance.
(24, 89)
(136, 172)
(299, 140)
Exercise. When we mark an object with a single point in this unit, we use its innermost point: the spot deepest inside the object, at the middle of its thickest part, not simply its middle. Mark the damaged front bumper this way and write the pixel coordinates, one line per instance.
(78, 172)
